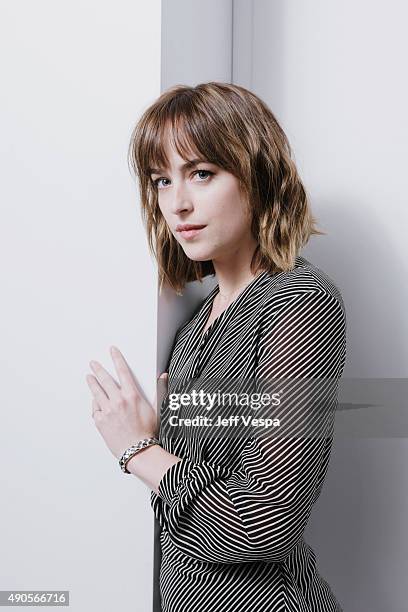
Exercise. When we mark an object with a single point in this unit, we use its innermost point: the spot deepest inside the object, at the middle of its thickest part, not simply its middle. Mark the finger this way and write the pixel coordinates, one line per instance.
(95, 407)
(107, 382)
(124, 372)
(97, 391)
(165, 378)
(161, 390)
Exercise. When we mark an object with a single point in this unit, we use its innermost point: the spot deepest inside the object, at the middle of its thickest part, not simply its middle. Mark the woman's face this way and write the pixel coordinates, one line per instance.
(206, 195)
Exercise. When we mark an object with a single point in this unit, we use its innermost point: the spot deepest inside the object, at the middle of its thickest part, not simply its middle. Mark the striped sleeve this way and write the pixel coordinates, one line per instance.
(259, 511)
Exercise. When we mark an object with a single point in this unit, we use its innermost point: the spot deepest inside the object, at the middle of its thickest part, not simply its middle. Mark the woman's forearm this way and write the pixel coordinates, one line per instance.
(151, 464)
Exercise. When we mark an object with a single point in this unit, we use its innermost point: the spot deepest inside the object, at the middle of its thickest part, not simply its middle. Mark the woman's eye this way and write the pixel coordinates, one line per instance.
(201, 172)
(156, 181)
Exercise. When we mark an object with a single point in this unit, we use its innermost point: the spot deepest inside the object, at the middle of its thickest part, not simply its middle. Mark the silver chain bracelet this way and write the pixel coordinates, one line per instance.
(133, 450)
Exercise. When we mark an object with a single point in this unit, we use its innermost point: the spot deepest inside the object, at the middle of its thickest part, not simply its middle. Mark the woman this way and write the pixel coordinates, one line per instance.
(232, 507)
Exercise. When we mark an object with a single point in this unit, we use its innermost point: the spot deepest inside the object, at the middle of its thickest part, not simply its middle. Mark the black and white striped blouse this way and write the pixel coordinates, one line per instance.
(232, 513)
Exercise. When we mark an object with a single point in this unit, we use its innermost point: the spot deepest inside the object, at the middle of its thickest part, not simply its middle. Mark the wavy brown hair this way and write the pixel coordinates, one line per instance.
(231, 127)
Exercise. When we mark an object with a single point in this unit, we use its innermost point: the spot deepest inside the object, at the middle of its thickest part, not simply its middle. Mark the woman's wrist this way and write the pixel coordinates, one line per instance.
(150, 465)
(135, 463)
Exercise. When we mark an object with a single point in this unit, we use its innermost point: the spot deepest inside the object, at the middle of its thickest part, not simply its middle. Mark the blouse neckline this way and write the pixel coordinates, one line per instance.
(210, 300)
(198, 341)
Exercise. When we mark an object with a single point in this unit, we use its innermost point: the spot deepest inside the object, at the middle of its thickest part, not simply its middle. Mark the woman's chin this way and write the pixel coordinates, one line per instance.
(197, 254)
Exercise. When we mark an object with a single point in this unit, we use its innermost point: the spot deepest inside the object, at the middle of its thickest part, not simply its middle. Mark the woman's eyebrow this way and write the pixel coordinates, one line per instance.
(191, 163)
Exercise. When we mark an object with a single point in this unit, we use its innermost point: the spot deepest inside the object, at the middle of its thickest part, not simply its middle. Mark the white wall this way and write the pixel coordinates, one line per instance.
(76, 276)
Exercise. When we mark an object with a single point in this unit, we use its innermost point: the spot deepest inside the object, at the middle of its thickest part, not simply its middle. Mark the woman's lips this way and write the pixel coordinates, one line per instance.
(187, 234)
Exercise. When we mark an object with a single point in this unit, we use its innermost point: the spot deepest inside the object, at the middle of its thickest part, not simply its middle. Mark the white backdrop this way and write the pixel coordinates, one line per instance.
(76, 277)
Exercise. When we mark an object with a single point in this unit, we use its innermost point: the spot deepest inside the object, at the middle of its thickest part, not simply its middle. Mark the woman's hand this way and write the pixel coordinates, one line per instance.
(121, 413)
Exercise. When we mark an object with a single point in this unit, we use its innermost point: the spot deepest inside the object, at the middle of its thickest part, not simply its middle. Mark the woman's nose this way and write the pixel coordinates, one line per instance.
(181, 199)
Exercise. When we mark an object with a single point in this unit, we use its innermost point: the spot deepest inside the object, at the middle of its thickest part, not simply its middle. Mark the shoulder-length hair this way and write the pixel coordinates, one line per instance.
(231, 127)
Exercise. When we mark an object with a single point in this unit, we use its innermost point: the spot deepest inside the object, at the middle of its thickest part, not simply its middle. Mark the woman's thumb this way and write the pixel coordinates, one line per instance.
(161, 390)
